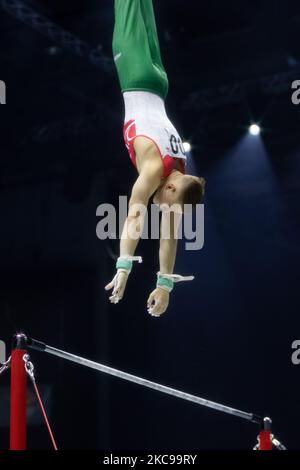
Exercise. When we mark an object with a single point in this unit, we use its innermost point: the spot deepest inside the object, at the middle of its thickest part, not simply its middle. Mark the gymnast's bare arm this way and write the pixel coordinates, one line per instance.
(158, 300)
(150, 170)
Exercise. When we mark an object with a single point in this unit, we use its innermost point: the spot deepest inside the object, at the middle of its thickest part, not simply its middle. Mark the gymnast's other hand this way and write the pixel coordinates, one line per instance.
(158, 302)
(117, 285)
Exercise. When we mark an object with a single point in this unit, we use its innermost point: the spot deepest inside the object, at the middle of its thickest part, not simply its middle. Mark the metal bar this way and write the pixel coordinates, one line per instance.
(143, 382)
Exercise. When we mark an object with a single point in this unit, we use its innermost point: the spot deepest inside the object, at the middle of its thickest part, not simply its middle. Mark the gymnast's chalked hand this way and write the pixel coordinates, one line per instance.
(118, 285)
(158, 302)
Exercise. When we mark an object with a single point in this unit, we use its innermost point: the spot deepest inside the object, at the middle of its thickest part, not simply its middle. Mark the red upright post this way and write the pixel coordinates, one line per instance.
(265, 440)
(18, 395)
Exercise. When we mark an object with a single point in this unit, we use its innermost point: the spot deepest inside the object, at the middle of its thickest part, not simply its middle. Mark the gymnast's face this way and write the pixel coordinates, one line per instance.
(168, 195)
(180, 192)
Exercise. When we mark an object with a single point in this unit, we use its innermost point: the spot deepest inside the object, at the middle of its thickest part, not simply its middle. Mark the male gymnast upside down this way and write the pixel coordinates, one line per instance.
(154, 146)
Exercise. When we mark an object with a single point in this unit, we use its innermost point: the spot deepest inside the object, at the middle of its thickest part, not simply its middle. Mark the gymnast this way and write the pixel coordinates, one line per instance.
(154, 147)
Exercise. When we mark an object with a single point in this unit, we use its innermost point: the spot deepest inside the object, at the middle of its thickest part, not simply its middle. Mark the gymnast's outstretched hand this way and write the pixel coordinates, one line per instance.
(158, 302)
(118, 285)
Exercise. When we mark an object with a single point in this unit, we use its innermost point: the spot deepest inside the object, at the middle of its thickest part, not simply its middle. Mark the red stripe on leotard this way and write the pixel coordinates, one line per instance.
(129, 134)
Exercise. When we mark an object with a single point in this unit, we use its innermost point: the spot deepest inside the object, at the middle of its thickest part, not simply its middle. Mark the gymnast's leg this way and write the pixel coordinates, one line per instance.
(136, 48)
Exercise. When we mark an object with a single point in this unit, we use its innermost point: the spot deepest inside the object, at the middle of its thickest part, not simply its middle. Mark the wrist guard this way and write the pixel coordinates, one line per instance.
(166, 281)
(124, 263)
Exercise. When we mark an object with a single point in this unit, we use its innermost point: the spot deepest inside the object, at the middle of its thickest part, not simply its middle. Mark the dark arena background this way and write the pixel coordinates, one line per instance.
(231, 334)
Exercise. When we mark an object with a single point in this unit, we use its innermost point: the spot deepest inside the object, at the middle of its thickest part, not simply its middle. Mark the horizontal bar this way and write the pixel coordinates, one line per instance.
(143, 382)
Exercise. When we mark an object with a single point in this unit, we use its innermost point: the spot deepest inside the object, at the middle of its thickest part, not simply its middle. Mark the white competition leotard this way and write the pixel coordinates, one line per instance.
(145, 116)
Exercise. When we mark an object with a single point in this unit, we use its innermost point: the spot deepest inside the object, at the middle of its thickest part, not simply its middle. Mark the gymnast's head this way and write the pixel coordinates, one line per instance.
(181, 191)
